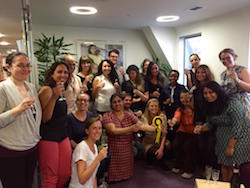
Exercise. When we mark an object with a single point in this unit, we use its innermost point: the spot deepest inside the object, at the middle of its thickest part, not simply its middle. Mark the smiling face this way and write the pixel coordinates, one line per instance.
(132, 75)
(185, 98)
(201, 75)
(94, 131)
(153, 108)
(209, 95)
(194, 60)
(106, 68)
(82, 102)
(117, 104)
(145, 66)
(155, 70)
(173, 77)
(114, 58)
(20, 68)
(85, 66)
(127, 102)
(227, 59)
(61, 73)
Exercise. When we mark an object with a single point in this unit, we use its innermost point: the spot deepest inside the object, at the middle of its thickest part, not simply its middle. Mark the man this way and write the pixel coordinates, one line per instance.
(113, 56)
(74, 86)
(127, 103)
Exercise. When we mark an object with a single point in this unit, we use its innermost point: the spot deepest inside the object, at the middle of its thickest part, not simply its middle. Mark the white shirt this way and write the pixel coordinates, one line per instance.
(103, 95)
(83, 152)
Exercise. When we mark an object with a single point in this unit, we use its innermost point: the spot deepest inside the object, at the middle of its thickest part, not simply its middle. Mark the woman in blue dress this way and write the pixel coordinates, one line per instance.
(233, 131)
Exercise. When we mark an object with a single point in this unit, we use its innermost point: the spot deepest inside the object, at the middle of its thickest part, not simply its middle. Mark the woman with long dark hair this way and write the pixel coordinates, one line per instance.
(233, 130)
(154, 80)
(54, 147)
(105, 84)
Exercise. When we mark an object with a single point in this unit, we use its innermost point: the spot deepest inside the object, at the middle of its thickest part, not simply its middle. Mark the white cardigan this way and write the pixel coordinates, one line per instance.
(22, 132)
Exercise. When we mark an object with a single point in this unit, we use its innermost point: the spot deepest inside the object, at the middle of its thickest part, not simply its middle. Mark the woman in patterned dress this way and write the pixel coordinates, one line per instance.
(236, 79)
(120, 126)
(233, 131)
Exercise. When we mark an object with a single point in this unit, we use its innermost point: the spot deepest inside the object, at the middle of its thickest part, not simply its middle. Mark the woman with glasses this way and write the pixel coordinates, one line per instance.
(78, 120)
(20, 117)
(235, 79)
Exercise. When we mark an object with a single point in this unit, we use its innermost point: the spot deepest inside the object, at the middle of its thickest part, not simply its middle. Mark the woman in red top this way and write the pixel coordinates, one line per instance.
(185, 141)
(120, 126)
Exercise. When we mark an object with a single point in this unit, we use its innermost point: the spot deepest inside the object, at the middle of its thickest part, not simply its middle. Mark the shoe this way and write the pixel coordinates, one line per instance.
(187, 175)
(175, 170)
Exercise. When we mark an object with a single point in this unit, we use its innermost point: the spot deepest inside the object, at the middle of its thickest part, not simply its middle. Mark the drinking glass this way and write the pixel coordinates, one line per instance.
(208, 172)
(61, 95)
(215, 174)
(33, 109)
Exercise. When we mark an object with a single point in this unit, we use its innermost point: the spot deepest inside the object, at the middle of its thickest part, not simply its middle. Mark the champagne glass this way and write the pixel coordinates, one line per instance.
(208, 172)
(215, 174)
(104, 141)
(31, 96)
(61, 94)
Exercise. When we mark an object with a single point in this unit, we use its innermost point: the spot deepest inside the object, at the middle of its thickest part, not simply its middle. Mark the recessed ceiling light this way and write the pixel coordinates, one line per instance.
(83, 10)
(167, 18)
(4, 43)
(1, 35)
(13, 50)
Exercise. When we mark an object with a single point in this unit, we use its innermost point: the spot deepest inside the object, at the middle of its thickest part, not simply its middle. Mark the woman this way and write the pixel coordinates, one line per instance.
(154, 80)
(136, 87)
(85, 74)
(233, 130)
(120, 126)
(54, 147)
(206, 141)
(195, 62)
(104, 86)
(153, 151)
(144, 67)
(78, 120)
(236, 78)
(185, 142)
(85, 159)
(20, 118)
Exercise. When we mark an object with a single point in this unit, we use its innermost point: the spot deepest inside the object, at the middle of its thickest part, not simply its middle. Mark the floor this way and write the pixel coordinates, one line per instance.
(153, 176)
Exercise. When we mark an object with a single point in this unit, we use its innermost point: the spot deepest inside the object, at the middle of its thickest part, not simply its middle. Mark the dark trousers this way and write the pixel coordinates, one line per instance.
(103, 169)
(206, 149)
(18, 171)
(184, 147)
(245, 174)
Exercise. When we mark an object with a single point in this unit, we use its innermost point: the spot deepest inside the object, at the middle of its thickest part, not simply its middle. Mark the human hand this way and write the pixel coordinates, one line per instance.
(156, 94)
(27, 103)
(122, 71)
(58, 89)
(229, 151)
(100, 84)
(89, 78)
(186, 71)
(136, 127)
(159, 153)
(103, 153)
(138, 113)
(116, 84)
(167, 101)
(197, 129)
(170, 123)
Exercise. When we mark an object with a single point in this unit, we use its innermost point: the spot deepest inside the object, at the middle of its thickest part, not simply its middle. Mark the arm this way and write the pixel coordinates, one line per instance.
(48, 99)
(73, 144)
(7, 117)
(85, 173)
(244, 82)
(144, 96)
(97, 84)
(189, 79)
(110, 127)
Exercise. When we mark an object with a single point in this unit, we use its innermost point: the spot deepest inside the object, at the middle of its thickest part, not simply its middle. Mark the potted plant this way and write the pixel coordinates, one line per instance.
(48, 50)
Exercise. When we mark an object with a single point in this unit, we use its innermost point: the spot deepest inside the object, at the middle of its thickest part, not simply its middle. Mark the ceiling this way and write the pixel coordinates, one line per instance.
(123, 14)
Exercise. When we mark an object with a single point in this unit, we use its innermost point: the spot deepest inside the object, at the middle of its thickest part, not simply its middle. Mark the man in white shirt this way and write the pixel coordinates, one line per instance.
(74, 86)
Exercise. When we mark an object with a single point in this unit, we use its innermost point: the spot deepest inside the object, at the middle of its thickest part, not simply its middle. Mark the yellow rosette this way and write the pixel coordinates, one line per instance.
(157, 122)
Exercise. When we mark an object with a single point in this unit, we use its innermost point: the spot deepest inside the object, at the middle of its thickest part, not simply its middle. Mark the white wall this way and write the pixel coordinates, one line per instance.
(136, 46)
(227, 31)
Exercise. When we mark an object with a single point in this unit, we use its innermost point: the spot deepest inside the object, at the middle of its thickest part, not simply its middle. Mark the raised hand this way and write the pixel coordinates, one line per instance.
(103, 153)
(197, 129)
(122, 71)
(116, 84)
(27, 103)
(100, 84)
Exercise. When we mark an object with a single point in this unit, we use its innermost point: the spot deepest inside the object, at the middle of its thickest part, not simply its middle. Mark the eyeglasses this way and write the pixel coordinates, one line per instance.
(22, 66)
(82, 100)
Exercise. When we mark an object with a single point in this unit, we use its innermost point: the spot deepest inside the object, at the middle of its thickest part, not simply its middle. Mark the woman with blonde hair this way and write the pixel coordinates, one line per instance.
(153, 151)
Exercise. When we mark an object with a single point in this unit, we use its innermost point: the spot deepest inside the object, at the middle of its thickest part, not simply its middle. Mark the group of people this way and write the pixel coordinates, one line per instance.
(206, 124)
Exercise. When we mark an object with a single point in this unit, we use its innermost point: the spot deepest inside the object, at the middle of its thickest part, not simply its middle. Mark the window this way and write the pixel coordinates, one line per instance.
(191, 44)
